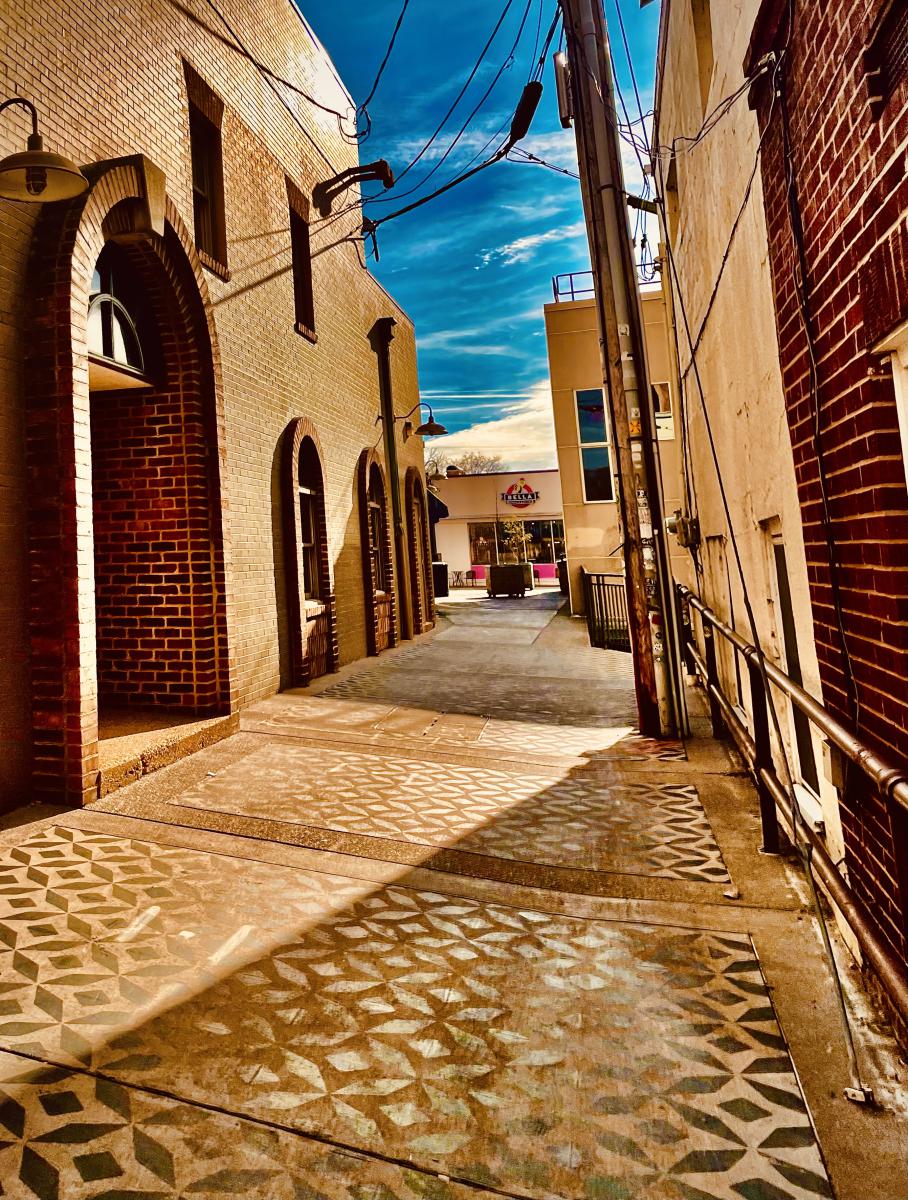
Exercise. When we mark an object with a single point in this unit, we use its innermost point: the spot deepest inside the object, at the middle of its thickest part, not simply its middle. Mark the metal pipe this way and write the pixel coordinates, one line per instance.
(889, 779)
(889, 969)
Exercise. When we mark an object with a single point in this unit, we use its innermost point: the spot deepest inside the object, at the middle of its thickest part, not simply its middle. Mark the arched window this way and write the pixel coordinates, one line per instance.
(113, 340)
(378, 547)
(379, 598)
(309, 490)
(310, 602)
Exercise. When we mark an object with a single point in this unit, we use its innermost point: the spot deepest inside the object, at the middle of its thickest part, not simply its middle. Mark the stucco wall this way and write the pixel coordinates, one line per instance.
(738, 356)
(592, 534)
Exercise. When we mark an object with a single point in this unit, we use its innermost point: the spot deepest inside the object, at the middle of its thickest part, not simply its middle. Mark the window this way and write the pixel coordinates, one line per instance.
(377, 548)
(111, 333)
(206, 112)
(483, 550)
(309, 490)
(595, 458)
(303, 298)
(886, 56)
(662, 407)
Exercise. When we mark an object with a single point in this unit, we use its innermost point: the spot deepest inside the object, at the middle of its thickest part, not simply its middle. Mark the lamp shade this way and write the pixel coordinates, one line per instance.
(431, 428)
(39, 177)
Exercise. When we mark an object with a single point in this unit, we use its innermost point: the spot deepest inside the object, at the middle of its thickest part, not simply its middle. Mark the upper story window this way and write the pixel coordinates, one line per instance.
(116, 357)
(303, 296)
(206, 112)
(886, 56)
(595, 454)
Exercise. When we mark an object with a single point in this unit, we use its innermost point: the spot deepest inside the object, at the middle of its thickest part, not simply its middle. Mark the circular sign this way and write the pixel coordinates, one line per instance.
(520, 495)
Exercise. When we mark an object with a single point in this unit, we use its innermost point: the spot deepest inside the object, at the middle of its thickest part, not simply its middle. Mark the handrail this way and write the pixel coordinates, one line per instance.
(756, 750)
(890, 780)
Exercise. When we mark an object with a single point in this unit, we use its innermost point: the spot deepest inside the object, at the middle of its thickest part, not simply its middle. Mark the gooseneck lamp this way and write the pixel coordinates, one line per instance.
(430, 428)
(37, 175)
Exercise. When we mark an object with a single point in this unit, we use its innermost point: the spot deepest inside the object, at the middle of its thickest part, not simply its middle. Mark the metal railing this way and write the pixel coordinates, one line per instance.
(754, 742)
(605, 601)
(578, 285)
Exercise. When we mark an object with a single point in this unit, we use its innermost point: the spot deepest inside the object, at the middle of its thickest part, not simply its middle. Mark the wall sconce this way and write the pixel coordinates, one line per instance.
(37, 175)
(430, 428)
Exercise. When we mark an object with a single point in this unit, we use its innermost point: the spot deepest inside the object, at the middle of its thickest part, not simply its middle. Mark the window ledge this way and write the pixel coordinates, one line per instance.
(313, 609)
(214, 266)
(304, 331)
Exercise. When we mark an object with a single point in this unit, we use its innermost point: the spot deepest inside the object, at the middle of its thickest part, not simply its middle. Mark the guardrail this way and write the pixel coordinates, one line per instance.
(755, 745)
(605, 601)
(578, 285)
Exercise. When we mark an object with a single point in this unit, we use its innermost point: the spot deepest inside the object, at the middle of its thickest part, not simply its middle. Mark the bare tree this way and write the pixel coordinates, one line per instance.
(474, 462)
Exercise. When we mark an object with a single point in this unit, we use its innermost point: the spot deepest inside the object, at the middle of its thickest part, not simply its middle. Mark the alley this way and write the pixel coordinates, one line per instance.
(441, 924)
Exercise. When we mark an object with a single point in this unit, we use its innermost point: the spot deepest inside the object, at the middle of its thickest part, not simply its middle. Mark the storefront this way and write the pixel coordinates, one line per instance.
(502, 517)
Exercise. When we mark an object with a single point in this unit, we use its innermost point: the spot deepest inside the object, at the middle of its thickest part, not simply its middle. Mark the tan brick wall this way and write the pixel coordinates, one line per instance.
(108, 81)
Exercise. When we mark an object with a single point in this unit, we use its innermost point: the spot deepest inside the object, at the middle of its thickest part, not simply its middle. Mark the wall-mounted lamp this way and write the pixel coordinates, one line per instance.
(37, 175)
(430, 428)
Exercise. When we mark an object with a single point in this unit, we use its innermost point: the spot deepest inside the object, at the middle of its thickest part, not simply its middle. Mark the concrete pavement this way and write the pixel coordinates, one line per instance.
(441, 925)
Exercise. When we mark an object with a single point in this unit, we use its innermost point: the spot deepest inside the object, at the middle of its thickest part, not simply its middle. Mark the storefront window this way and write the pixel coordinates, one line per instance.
(482, 543)
(511, 542)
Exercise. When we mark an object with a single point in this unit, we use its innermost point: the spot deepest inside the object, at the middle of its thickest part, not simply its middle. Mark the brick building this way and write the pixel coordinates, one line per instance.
(834, 117)
(195, 500)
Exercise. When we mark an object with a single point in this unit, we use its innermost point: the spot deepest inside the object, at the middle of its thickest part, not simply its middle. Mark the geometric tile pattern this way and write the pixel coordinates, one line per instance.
(97, 931)
(527, 1052)
(548, 817)
(548, 701)
(533, 1053)
(65, 1134)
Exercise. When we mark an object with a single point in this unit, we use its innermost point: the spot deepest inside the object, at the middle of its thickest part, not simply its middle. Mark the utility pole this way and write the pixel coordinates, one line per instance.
(651, 614)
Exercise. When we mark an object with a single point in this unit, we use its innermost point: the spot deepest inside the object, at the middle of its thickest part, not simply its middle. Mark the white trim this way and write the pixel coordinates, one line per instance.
(896, 346)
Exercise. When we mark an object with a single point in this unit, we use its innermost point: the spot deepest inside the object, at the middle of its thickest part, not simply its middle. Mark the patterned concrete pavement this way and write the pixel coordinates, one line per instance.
(454, 993)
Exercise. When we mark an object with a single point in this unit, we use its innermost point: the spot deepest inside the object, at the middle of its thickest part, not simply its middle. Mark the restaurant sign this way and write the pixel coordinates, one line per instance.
(520, 495)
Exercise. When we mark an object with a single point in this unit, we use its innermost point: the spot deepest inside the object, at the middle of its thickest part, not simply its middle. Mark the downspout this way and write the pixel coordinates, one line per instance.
(380, 337)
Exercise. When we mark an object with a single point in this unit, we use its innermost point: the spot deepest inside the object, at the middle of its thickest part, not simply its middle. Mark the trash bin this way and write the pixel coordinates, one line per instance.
(440, 579)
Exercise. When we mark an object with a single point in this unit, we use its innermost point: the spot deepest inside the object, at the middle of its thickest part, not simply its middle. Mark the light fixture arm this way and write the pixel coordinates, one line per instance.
(34, 138)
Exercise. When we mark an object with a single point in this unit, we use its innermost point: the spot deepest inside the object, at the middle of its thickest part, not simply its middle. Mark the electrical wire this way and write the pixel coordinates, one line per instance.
(272, 80)
(364, 107)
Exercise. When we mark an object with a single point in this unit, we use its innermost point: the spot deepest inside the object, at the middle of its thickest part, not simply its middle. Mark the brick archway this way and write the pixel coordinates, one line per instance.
(419, 553)
(126, 204)
(380, 603)
(313, 624)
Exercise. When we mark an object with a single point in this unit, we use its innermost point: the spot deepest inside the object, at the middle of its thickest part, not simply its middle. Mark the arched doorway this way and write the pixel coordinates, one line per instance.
(378, 561)
(310, 601)
(124, 449)
(422, 596)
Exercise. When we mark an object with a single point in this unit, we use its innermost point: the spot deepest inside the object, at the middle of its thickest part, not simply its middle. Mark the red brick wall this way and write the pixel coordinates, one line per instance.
(153, 535)
(852, 188)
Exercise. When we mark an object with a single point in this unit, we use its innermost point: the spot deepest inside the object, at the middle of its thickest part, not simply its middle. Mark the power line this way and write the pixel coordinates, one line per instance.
(363, 108)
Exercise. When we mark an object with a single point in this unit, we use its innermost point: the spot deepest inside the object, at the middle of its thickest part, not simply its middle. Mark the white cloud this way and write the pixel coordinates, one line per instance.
(524, 435)
(522, 249)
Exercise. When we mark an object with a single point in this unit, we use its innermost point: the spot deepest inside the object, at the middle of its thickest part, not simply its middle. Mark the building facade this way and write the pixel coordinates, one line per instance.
(786, 247)
(196, 506)
(585, 458)
(500, 517)
(833, 115)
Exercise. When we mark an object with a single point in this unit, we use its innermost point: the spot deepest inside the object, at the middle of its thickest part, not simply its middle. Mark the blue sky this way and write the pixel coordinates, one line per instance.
(474, 268)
